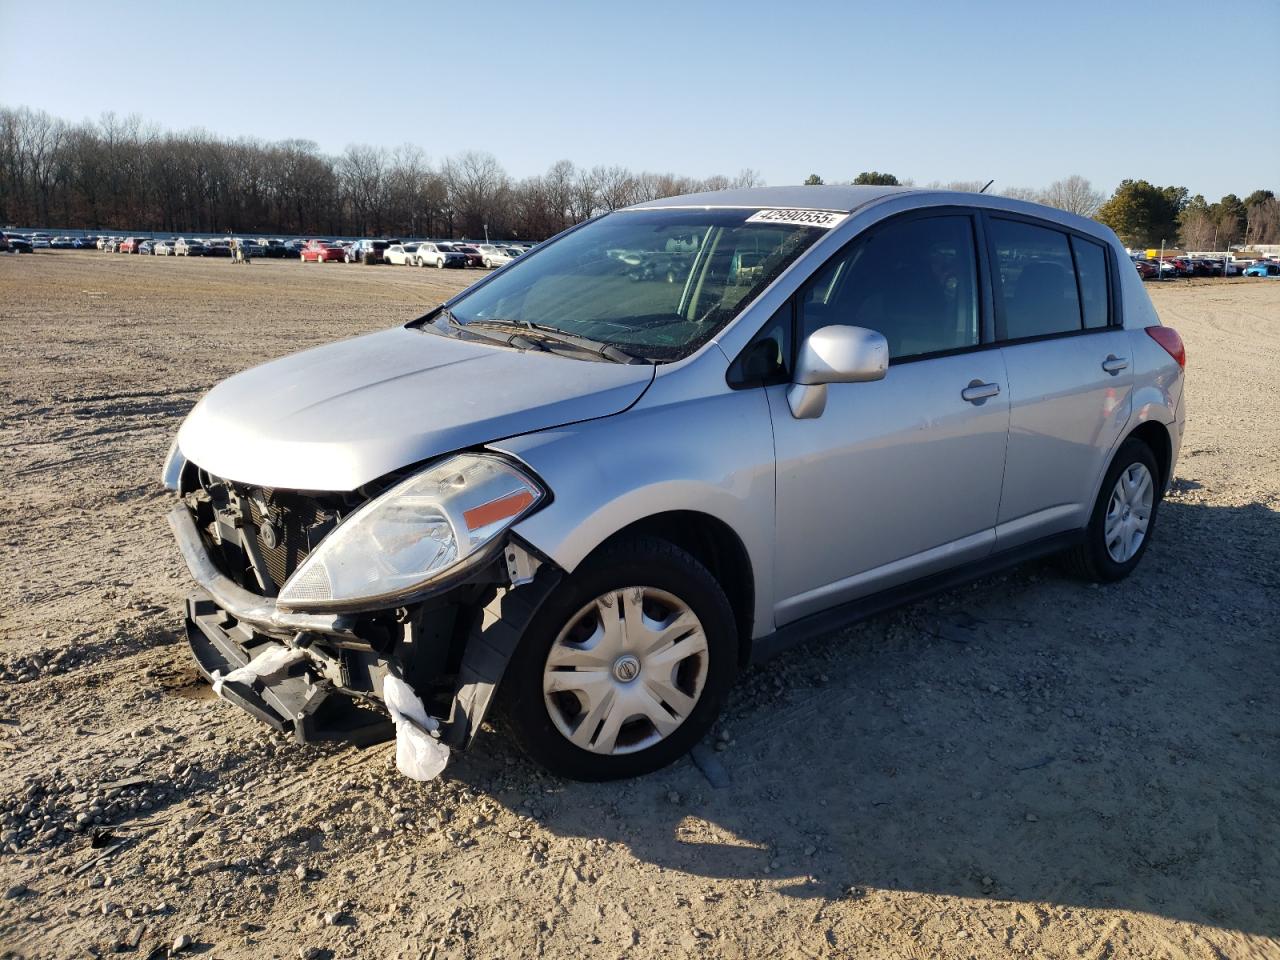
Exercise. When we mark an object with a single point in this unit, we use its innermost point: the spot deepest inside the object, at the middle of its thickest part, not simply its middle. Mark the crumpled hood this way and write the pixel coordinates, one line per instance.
(341, 415)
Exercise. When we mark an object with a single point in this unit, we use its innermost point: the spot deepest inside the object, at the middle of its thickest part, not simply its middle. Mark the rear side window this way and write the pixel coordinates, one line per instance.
(1091, 268)
(914, 281)
(1037, 283)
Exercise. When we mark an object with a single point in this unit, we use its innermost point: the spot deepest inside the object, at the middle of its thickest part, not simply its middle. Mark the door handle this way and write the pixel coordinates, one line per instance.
(1114, 364)
(977, 391)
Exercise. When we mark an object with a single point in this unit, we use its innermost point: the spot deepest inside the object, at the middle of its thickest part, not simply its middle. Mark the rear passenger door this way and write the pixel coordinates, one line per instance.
(1069, 371)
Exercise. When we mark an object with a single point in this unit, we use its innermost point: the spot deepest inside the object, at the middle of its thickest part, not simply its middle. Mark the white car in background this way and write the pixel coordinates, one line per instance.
(492, 255)
(402, 254)
(439, 256)
(164, 248)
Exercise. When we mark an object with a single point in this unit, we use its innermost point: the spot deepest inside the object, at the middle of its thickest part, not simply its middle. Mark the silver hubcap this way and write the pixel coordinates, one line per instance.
(626, 671)
(1129, 513)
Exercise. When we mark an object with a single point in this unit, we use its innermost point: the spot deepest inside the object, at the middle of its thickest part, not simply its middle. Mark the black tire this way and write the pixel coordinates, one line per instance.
(636, 561)
(1090, 559)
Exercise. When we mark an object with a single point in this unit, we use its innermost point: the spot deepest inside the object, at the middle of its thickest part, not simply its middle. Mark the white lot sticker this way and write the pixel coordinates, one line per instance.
(804, 218)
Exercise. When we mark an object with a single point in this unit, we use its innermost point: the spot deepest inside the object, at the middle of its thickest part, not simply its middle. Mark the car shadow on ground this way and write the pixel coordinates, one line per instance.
(1028, 738)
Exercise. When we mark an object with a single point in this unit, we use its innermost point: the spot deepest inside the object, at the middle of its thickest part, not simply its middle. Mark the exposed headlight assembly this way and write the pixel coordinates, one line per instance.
(427, 527)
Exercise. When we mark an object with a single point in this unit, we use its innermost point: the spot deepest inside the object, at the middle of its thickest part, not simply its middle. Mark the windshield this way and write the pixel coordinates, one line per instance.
(656, 283)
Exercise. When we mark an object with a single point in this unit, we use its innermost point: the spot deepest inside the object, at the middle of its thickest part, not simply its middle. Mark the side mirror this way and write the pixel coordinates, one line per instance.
(834, 354)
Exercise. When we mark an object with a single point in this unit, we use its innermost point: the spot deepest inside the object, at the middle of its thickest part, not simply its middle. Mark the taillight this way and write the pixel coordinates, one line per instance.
(1168, 338)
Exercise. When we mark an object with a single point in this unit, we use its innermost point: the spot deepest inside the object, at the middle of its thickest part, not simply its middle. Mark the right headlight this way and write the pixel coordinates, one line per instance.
(420, 530)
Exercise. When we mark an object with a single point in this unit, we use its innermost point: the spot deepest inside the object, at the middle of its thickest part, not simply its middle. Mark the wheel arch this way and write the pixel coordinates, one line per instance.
(1156, 436)
(715, 545)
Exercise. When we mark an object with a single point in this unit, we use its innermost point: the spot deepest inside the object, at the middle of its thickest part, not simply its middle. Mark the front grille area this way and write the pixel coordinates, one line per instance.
(283, 527)
(290, 529)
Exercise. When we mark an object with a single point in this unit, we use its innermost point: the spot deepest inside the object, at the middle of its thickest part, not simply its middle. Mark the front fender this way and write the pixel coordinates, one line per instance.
(711, 455)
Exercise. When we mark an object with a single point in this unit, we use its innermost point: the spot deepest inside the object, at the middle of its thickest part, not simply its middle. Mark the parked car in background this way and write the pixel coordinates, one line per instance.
(494, 257)
(130, 245)
(1147, 269)
(368, 251)
(62, 243)
(439, 255)
(474, 259)
(1263, 268)
(188, 248)
(273, 249)
(218, 248)
(676, 476)
(84, 243)
(41, 241)
(163, 248)
(323, 251)
(401, 254)
(147, 246)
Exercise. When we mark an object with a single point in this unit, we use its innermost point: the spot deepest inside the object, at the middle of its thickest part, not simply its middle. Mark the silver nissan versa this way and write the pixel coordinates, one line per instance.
(595, 485)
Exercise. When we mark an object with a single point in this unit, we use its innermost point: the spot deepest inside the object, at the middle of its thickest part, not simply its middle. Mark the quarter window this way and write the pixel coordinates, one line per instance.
(1037, 284)
(1091, 269)
(914, 281)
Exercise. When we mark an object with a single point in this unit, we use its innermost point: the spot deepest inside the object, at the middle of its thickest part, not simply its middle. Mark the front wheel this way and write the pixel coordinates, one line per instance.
(626, 665)
(1123, 518)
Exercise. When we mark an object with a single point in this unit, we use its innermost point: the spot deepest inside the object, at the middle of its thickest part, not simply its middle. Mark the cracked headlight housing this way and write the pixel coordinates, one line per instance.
(431, 525)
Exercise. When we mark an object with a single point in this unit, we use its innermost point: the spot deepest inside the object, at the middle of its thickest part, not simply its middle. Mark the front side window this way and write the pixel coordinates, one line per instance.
(1036, 282)
(914, 281)
(655, 283)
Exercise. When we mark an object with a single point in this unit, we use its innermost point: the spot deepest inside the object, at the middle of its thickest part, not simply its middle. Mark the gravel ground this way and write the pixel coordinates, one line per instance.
(1028, 766)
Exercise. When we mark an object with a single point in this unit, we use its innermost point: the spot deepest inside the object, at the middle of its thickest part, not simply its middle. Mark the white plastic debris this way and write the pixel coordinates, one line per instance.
(419, 755)
(274, 661)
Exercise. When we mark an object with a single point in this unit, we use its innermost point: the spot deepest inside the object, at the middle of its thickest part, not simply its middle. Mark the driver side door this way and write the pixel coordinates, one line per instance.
(897, 478)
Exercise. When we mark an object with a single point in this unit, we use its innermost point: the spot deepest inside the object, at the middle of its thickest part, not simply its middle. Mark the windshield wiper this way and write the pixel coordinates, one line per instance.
(512, 340)
(598, 347)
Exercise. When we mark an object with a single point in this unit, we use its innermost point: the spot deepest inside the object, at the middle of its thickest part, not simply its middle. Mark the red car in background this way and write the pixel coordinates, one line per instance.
(319, 251)
(129, 246)
(1146, 269)
(474, 257)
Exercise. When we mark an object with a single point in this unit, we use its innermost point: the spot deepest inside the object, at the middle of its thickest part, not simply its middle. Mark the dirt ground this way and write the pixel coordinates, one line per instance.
(1028, 766)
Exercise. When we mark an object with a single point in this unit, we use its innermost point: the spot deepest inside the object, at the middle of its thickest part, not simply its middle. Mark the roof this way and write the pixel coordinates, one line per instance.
(842, 198)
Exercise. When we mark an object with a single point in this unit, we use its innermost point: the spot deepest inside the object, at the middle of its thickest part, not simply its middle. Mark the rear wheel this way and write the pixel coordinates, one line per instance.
(1123, 518)
(626, 665)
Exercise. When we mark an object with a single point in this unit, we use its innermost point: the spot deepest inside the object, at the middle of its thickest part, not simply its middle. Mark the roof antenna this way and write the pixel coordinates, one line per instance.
(989, 183)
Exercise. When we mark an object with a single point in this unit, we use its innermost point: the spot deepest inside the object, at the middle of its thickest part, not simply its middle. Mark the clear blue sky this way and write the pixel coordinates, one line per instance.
(1025, 93)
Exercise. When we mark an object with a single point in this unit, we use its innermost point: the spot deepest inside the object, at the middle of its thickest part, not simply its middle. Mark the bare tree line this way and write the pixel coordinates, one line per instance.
(122, 174)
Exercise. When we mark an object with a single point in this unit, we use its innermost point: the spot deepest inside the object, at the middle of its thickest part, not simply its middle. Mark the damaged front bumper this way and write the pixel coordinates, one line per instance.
(334, 693)
(301, 702)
